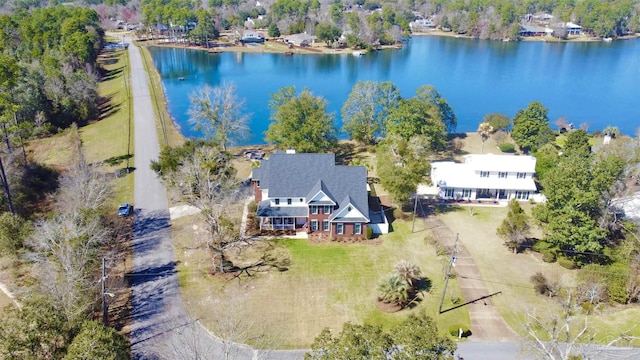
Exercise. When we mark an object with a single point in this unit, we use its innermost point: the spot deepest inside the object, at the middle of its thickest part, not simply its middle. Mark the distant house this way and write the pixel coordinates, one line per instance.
(485, 176)
(251, 37)
(532, 30)
(422, 24)
(301, 39)
(310, 192)
(572, 29)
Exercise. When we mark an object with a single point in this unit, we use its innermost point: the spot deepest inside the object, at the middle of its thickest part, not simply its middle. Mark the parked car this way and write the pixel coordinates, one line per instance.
(125, 209)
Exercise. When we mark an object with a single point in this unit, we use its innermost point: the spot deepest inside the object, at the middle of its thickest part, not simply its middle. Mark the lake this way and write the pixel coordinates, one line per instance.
(596, 83)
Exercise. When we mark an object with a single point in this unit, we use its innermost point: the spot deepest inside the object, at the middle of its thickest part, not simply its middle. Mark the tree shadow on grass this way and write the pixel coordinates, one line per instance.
(117, 160)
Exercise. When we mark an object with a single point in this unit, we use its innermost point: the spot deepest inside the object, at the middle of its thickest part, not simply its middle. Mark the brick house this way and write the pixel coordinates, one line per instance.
(310, 192)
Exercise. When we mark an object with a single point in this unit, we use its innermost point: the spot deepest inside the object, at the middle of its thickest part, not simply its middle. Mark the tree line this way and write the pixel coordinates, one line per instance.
(55, 258)
(371, 23)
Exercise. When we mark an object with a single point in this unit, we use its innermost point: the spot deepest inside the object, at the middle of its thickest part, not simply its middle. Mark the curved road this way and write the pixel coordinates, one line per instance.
(160, 327)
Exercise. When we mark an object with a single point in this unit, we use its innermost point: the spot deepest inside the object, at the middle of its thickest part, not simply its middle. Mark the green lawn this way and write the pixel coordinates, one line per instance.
(326, 285)
(510, 273)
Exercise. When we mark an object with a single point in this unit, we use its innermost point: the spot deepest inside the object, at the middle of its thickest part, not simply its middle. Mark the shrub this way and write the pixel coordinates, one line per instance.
(567, 263)
(454, 330)
(369, 233)
(541, 245)
(253, 207)
(507, 147)
(540, 284)
(548, 256)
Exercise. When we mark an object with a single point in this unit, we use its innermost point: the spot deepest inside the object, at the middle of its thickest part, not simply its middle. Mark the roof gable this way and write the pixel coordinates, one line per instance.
(349, 212)
(316, 177)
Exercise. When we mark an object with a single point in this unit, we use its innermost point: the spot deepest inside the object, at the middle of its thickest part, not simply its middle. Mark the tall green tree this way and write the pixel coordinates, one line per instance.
(366, 109)
(401, 166)
(440, 109)
(300, 122)
(414, 119)
(498, 121)
(531, 128)
(415, 338)
(577, 143)
(96, 341)
(328, 32)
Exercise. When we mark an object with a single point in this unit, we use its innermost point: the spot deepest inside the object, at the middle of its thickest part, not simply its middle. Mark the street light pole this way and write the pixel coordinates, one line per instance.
(448, 274)
(104, 292)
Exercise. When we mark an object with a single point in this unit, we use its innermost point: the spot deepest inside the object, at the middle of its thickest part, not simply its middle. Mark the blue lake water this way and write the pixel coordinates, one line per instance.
(596, 83)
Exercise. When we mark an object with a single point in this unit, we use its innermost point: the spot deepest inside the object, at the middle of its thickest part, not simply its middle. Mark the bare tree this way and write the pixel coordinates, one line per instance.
(218, 113)
(565, 335)
(82, 187)
(207, 181)
(500, 136)
(65, 247)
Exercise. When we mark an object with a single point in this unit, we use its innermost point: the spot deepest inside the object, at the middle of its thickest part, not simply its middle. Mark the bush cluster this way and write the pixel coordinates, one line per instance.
(454, 330)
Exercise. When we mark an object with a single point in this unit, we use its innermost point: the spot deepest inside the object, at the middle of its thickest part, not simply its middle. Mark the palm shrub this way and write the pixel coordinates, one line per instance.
(408, 271)
(393, 289)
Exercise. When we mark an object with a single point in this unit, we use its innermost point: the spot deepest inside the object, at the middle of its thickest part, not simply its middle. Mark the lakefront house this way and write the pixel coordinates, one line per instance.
(486, 177)
(309, 192)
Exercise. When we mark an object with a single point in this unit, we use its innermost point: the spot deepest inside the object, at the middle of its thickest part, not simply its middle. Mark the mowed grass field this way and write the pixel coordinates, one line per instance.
(325, 286)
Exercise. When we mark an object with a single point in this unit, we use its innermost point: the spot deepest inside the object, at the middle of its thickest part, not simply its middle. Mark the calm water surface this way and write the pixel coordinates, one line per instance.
(596, 83)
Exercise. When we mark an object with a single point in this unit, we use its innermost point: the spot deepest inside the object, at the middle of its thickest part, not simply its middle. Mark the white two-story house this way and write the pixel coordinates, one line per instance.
(485, 176)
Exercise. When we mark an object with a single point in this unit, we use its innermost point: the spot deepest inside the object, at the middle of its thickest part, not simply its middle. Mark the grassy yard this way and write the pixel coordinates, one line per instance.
(510, 273)
(326, 284)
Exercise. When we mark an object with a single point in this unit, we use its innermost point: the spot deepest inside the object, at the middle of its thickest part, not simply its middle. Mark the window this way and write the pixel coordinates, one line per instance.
(521, 175)
(325, 225)
(326, 209)
(522, 195)
(314, 225)
(277, 201)
(448, 193)
(339, 228)
(314, 209)
(357, 228)
(288, 201)
(484, 174)
(502, 175)
(301, 200)
(466, 193)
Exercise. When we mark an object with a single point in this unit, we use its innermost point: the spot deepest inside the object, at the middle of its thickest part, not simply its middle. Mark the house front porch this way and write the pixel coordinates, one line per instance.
(283, 223)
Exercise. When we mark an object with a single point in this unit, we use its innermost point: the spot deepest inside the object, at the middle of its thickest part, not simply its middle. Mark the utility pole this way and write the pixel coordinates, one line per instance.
(104, 292)
(415, 207)
(448, 274)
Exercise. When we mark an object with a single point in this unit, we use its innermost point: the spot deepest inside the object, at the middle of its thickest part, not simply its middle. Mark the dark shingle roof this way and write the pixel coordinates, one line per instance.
(265, 210)
(298, 175)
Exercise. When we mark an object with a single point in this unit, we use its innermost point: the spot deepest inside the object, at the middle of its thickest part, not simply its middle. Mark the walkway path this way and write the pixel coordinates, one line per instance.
(486, 322)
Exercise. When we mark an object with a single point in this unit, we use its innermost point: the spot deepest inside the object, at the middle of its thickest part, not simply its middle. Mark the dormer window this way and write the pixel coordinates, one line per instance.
(288, 201)
(277, 201)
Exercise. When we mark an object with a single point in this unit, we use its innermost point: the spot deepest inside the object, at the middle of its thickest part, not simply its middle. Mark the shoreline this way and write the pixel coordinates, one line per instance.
(577, 38)
(270, 46)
